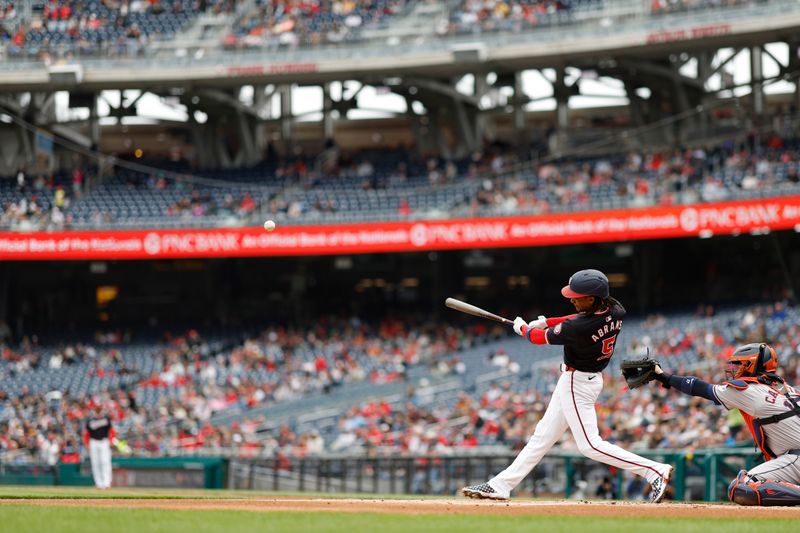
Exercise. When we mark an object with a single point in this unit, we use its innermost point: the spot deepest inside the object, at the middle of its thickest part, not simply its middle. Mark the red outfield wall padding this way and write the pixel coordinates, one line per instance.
(542, 230)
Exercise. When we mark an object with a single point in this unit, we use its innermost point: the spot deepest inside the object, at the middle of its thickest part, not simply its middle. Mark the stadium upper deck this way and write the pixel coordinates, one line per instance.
(513, 36)
(395, 185)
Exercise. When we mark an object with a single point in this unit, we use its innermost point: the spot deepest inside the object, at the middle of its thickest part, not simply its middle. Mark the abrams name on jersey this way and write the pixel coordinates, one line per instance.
(611, 326)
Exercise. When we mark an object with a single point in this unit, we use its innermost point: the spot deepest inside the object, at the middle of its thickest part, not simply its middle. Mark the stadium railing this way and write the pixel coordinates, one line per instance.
(173, 472)
(701, 475)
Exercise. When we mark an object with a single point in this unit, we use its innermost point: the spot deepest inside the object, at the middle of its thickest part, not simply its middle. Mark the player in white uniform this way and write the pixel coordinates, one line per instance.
(98, 437)
(770, 409)
(588, 338)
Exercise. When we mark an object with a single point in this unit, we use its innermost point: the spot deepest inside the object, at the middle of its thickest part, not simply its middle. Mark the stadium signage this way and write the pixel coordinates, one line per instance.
(275, 68)
(685, 34)
(540, 230)
(292, 68)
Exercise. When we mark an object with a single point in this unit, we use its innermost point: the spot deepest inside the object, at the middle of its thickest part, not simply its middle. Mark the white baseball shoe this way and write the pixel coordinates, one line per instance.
(659, 486)
(484, 491)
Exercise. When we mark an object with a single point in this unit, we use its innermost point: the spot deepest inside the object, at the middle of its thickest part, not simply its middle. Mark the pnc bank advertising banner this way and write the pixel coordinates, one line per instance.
(538, 230)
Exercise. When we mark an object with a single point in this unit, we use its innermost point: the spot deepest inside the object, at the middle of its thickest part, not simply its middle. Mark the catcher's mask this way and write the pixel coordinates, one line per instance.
(752, 360)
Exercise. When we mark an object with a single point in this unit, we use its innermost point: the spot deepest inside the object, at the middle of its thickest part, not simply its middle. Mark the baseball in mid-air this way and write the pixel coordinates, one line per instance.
(269, 225)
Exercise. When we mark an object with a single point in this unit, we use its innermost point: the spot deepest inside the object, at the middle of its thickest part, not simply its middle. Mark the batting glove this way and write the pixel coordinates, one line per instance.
(539, 323)
(518, 323)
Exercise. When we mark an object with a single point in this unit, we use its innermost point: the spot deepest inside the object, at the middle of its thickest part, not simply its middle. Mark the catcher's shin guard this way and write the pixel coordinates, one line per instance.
(747, 491)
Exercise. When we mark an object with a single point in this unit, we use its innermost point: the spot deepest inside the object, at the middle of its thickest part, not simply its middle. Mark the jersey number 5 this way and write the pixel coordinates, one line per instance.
(608, 348)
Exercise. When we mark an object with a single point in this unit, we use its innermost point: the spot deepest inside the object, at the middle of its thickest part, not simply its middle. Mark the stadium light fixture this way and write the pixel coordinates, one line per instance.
(65, 74)
(468, 53)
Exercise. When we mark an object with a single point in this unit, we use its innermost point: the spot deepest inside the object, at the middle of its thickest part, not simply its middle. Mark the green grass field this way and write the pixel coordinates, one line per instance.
(19, 513)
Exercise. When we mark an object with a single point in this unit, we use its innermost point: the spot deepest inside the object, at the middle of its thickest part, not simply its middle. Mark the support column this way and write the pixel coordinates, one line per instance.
(26, 156)
(756, 83)
(635, 107)
(421, 133)
(260, 99)
(467, 128)
(480, 88)
(562, 108)
(794, 65)
(681, 104)
(519, 110)
(327, 108)
(94, 124)
(248, 151)
(437, 137)
(797, 93)
(220, 123)
(286, 115)
(703, 73)
(204, 156)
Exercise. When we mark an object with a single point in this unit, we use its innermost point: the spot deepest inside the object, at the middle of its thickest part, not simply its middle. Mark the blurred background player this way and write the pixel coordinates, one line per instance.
(770, 410)
(588, 338)
(98, 436)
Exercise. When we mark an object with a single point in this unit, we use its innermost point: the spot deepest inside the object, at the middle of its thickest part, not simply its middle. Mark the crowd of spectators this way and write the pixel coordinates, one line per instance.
(60, 29)
(200, 204)
(672, 6)
(277, 365)
(647, 418)
(41, 201)
(493, 181)
(274, 24)
(681, 176)
(283, 364)
(477, 16)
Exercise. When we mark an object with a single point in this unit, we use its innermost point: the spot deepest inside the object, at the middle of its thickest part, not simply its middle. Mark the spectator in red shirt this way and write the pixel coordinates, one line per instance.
(248, 205)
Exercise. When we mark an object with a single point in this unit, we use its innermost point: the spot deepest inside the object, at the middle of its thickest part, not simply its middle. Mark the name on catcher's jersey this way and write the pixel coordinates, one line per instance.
(588, 338)
(98, 427)
(762, 401)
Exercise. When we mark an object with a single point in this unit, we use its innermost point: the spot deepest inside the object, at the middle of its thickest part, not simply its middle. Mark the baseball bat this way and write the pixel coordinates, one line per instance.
(469, 309)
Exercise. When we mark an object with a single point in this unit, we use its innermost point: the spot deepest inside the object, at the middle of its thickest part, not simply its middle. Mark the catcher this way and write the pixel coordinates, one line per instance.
(769, 407)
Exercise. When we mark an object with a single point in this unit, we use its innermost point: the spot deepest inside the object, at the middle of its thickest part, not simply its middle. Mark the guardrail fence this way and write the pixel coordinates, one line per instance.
(702, 475)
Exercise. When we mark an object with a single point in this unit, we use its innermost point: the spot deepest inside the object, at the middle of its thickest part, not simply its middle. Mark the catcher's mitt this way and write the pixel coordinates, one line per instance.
(638, 372)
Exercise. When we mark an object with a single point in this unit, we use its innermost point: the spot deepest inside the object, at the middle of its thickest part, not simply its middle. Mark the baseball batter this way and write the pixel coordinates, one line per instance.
(588, 338)
(770, 408)
(97, 437)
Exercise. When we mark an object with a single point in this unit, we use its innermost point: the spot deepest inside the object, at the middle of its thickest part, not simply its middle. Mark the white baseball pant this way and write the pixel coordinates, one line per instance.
(100, 457)
(572, 406)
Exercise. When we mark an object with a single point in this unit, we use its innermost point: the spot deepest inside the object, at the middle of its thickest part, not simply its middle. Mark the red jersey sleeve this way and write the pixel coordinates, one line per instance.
(556, 320)
(536, 336)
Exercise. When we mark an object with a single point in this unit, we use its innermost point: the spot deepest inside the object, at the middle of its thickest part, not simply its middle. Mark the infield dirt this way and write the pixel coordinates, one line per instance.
(437, 506)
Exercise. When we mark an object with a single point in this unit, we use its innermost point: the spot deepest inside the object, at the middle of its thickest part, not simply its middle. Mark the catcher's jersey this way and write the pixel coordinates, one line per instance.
(588, 338)
(760, 401)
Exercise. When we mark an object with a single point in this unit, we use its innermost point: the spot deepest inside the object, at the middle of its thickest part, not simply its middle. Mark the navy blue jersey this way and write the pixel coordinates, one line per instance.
(98, 426)
(589, 338)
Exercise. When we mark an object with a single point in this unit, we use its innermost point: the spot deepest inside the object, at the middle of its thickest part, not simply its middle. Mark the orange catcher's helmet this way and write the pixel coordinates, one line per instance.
(752, 360)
